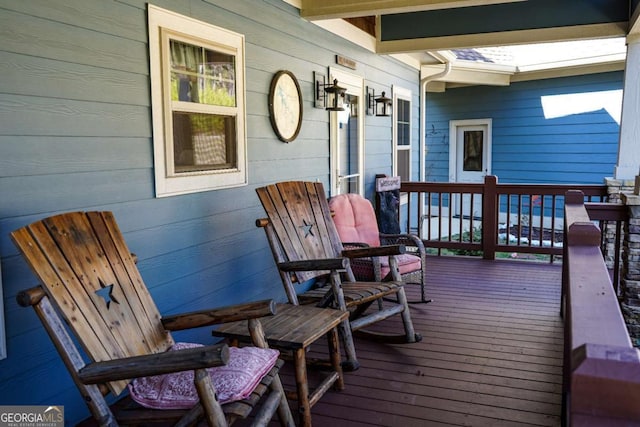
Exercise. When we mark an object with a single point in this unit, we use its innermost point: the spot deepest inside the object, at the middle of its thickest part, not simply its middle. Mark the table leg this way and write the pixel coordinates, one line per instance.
(334, 355)
(302, 385)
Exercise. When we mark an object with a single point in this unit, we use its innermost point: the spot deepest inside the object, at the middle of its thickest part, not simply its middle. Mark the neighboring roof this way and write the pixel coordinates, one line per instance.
(547, 55)
(502, 65)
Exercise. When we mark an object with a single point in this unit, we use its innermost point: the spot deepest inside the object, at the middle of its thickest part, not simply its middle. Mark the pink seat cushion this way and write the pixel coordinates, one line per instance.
(234, 381)
(355, 219)
(407, 263)
(356, 222)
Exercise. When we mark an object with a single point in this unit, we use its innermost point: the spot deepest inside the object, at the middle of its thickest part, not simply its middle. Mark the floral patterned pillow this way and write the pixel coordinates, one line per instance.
(233, 381)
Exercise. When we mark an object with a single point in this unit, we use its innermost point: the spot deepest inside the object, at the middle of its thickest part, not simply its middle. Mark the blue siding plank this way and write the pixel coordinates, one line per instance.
(40, 37)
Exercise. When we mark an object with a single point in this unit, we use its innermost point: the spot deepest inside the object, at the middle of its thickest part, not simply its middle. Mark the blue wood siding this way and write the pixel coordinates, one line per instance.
(75, 134)
(527, 147)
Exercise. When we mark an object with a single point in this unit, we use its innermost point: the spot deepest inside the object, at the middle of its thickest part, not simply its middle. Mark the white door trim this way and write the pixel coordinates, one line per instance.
(355, 86)
(453, 144)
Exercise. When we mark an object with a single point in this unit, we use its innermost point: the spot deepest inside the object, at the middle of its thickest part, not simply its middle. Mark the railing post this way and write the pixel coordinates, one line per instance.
(489, 217)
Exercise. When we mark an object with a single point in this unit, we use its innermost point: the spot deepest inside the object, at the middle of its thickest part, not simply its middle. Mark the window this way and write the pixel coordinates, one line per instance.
(198, 105)
(402, 133)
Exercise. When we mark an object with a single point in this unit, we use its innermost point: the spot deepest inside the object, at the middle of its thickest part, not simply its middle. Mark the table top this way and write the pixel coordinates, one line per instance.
(292, 327)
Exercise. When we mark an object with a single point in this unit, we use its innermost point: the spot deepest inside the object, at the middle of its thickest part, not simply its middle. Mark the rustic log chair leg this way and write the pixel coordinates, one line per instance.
(284, 412)
(351, 364)
(208, 399)
(334, 354)
(406, 318)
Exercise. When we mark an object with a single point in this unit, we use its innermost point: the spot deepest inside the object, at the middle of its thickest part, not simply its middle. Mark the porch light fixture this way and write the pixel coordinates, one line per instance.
(380, 105)
(330, 96)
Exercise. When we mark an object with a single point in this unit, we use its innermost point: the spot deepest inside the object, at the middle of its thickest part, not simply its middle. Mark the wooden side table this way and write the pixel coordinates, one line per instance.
(294, 328)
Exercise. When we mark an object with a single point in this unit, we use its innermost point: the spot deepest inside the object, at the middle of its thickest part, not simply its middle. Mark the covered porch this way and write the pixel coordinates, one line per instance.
(491, 353)
(79, 134)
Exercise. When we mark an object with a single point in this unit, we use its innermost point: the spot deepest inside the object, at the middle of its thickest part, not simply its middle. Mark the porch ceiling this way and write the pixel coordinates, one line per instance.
(486, 41)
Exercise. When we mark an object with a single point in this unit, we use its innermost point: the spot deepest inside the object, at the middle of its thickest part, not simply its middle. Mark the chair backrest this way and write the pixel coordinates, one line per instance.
(91, 277)
(355, 219)
(301, 221)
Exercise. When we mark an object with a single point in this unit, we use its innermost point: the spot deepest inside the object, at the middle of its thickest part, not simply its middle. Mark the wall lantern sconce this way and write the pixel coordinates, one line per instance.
(381, 105)
(328, 96)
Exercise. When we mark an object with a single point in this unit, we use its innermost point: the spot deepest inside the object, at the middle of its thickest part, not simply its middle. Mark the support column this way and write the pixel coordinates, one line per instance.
(628, 165)
(615, 188)
(630, 282)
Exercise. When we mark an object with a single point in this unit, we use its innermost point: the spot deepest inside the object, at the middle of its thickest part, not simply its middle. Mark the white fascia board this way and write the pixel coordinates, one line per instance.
(494, 76)
(578, 62)
(568, 71)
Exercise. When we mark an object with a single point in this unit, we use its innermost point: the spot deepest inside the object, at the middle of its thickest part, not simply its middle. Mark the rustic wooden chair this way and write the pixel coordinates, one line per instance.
(357, 226)
(92, 287)
(306, 245)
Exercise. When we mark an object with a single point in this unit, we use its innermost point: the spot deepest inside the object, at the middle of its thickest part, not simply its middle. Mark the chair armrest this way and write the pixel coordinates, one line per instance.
(155, 364)
(403, 239)
(351, 245)
(197, 319)
(371, 251)
(314, 264)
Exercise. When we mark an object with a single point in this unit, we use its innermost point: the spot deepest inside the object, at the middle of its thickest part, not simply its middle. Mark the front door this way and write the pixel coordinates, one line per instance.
(470, 160)
(347, 137)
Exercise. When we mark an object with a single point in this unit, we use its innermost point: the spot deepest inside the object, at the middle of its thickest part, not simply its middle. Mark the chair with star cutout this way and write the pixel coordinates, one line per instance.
(92, 293)
(307, 248)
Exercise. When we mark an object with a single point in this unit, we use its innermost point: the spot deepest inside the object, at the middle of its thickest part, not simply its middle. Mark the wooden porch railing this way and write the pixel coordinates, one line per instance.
(491, 217)
(601, 368)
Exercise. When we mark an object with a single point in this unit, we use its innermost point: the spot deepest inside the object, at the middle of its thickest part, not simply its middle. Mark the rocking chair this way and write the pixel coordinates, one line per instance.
(92, 287)
(356, 223)
(306, 245)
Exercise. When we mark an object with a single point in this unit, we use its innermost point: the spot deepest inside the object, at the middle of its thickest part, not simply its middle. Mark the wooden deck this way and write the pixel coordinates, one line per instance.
(491, 354)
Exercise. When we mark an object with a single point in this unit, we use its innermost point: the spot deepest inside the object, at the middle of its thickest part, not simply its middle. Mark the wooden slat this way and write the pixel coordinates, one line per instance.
(491, 353)
(330, 239)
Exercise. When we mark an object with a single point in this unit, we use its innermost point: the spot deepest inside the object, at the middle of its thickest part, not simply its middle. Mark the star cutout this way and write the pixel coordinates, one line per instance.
(106, 292)
(307, 228)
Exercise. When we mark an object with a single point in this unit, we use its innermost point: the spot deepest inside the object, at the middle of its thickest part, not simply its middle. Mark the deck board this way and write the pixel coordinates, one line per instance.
(491, 354)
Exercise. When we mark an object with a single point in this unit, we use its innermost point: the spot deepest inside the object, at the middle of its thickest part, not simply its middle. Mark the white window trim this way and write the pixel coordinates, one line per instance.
(164, 21)
(404, 94)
